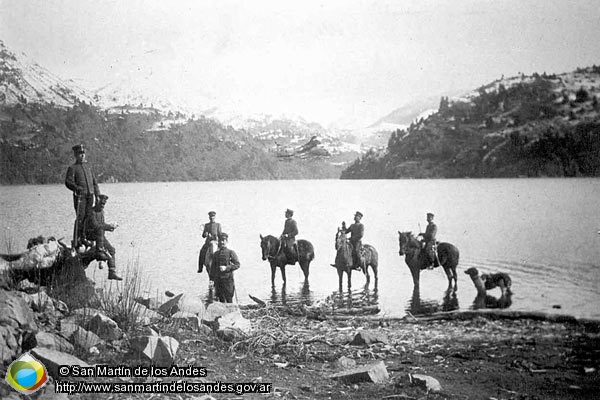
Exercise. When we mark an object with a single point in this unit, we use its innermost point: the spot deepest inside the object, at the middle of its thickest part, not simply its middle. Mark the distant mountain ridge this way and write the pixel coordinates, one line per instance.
(538, 125)
(22, 80)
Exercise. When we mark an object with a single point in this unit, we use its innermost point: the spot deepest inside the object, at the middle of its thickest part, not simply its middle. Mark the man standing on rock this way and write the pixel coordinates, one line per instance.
(95, 229)
(225, 261)
(82, 182)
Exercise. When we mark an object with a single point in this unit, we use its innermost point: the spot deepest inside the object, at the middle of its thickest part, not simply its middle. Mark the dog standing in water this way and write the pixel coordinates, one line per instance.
(486, 282)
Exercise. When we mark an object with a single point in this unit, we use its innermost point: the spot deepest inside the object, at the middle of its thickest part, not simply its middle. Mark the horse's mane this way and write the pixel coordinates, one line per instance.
(411, 238)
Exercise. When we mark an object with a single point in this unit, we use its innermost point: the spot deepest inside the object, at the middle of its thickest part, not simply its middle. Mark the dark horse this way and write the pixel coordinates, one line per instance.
(272, 251)
(344, 261)
(417, 259)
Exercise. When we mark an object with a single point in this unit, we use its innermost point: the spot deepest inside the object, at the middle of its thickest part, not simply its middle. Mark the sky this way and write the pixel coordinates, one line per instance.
(344, 62)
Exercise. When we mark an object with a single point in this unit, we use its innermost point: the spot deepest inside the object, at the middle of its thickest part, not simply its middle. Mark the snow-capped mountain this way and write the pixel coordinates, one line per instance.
(23, 80)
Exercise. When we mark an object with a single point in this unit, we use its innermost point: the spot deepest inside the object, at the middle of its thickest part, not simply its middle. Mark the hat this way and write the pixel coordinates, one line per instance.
(223, 236)
(430, 215)
(103, 197)
(288, 211)
(78, 148)
(212, 213)
(359, 214)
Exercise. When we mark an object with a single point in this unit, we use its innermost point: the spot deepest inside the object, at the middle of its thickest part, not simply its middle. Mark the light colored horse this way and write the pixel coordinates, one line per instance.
(344, 260)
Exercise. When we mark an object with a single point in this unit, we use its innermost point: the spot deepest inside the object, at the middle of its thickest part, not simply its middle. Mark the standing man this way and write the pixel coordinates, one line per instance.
(211, 232)
(288, 237)
(82, 182)
(225, 261)
(357, 231)
(95, 229)
(429, 241)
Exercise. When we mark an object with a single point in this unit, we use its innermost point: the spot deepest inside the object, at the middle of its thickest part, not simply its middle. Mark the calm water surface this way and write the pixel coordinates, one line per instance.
(543, 232)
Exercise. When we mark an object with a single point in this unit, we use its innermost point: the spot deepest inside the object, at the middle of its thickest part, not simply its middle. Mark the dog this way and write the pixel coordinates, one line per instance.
(490, 281)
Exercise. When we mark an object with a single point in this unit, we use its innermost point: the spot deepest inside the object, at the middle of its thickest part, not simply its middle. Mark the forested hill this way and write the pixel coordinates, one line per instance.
(36, 140)
(527, 126)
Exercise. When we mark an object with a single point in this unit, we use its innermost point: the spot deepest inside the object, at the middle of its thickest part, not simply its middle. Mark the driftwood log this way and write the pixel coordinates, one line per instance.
(47, 262)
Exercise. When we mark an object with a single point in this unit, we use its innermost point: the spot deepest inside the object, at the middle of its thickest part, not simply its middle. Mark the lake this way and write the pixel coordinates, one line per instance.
(543, 232)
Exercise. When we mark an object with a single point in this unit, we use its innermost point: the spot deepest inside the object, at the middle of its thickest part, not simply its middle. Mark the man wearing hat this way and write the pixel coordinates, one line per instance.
(225, 261)
(211, 232)
(95, 229)
(82, 182)
(429, 243)
(288, 237)
(357, 231)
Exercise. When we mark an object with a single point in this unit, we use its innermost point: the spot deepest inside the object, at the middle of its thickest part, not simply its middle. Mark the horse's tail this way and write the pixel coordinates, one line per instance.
(308, 248)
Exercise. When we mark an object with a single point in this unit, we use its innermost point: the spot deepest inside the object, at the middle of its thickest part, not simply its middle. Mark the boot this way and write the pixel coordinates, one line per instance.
(436, 260)
(112, 275)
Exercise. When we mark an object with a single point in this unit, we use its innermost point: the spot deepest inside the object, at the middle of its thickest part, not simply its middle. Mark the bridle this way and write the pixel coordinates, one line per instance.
(404, 242)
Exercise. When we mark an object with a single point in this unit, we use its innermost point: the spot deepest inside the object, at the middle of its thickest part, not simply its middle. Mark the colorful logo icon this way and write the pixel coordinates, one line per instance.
(26, 374)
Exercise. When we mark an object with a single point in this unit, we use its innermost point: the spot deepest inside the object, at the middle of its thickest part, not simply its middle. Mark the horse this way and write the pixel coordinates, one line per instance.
(272, 251)
(206, 261)
(344, 261)
(417, 259)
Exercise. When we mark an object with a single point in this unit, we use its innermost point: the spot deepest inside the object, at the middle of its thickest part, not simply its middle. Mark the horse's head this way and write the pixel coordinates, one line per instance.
(340, 238)
(267, 246)
(404, 240)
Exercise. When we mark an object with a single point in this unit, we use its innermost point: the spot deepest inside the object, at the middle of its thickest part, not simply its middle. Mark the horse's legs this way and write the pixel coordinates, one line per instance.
(304, 265)
(273, 268)
(349, 272)
(455, 278)
(415, 272)
(283, 274)
(340, 275)
(449, 275)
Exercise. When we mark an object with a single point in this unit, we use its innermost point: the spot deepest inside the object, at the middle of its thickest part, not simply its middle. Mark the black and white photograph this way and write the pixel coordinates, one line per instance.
(319, 199)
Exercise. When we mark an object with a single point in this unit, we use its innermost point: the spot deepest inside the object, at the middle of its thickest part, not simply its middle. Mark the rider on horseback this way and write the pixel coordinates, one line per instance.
(357, 231)
(288, 237)
(429, 242)
(211, 232)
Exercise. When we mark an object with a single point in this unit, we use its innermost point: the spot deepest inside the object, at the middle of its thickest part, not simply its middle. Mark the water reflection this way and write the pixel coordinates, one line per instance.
(302, 296)
(484, 300)
(366, 299)
(417, 306)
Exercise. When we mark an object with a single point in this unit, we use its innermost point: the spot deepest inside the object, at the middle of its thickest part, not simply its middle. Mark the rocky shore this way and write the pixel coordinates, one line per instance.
(291, 353)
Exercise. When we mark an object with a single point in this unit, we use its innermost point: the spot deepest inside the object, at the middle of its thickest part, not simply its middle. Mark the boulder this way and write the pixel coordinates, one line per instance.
(160, 350)
(234, 320)
(67, 329)
(187, 319)
(48, 340)
(369, 337)
(194, 305)
(53, 359)
(10, 343)
(217, 309)
(104, 327)
(375, 372)
(15, 312)
(83, 339)
(171, 306)
(346, 363)
(16, 320)
(426, 382)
